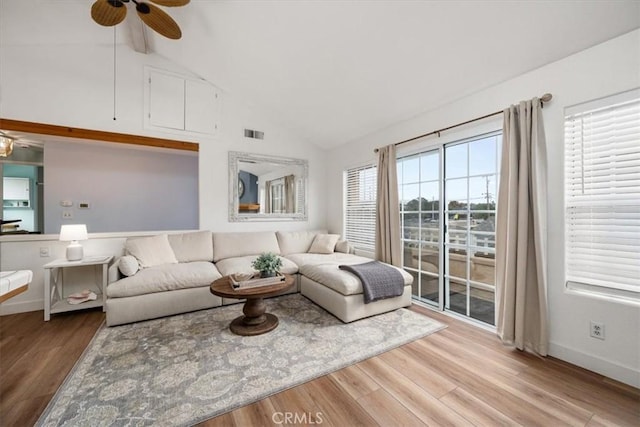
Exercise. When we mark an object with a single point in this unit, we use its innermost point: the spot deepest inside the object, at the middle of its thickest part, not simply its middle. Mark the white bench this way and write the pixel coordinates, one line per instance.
(13, 283)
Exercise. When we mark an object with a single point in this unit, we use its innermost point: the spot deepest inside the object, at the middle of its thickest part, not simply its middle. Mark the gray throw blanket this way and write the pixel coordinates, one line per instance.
(379, 281)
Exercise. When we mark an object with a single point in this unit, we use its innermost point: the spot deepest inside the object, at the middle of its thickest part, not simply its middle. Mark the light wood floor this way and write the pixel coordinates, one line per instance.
(459, 376)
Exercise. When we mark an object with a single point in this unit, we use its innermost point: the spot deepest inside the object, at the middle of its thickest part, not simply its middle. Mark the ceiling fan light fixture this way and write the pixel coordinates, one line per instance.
(6, 145)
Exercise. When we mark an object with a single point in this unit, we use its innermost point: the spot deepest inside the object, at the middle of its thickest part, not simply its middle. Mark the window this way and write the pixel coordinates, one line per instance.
(277, 196)
(602, 196)
(360, 207)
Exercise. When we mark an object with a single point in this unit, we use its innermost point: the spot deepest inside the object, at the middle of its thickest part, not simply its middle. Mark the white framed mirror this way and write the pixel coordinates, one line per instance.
(267, 188)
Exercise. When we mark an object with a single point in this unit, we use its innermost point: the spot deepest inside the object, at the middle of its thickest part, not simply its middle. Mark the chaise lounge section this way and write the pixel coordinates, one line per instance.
(339, 292)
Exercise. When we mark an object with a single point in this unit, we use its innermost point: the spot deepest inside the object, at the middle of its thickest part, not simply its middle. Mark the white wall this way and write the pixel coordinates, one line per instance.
(72, 85)
(127, 188)
(605, 69)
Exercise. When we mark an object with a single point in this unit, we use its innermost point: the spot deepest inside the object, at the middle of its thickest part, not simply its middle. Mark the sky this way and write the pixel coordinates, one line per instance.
(473, 164)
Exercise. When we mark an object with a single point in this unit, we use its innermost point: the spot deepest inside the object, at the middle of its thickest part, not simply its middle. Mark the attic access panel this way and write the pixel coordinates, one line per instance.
(181, 104)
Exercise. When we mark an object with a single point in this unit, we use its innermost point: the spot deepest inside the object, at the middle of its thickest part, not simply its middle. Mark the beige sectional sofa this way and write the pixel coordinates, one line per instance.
(168, 274)
(162, 286)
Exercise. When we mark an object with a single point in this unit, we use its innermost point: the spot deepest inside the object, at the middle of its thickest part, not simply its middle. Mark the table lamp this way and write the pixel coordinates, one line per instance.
(73, 233)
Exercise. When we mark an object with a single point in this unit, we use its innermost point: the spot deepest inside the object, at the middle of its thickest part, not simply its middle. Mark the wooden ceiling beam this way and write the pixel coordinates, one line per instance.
(95, 135)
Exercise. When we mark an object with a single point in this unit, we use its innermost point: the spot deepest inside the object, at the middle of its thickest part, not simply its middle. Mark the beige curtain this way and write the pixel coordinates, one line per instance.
(388, 247)
(290, 194)
(521, 290)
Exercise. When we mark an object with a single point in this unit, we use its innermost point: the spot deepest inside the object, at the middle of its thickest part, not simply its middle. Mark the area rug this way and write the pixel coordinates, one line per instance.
(184, 369)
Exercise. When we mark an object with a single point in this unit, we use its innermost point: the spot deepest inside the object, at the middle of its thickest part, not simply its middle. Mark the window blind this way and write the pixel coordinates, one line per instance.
(602, 196)
(360, 211)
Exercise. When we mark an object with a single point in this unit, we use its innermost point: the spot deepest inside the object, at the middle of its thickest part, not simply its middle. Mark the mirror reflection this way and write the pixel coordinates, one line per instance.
(266, 187)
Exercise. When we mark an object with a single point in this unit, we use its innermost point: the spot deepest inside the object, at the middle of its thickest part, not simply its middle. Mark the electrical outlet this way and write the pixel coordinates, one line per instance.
(44, 252)
(67, 215)
(596, 330)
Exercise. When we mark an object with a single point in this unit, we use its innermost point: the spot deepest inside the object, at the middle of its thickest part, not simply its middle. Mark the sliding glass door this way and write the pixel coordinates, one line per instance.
(470, 185)
(419, 193)
(449, 247)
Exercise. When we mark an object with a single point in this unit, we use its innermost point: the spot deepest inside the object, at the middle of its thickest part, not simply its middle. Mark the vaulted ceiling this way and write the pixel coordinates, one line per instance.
(333, 71)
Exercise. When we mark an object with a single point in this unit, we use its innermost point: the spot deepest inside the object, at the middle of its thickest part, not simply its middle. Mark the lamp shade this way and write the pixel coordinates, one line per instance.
(73, 232)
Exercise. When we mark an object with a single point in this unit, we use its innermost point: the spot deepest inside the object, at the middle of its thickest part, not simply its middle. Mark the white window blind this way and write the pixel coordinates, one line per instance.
(360, 211)
(602, 196)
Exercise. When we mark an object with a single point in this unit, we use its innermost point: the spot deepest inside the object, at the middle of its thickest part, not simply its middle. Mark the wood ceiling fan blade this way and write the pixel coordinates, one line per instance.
(108, 12)
(158, 20)
(170, 3)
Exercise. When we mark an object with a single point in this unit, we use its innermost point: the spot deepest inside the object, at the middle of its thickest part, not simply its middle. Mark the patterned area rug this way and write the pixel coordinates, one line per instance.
(184, 369)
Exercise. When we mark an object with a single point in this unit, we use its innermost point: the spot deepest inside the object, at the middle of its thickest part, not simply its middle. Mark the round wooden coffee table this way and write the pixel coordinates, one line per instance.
(255, 320)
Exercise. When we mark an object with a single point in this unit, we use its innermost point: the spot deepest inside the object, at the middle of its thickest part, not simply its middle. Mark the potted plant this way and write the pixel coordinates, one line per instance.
(268, 264)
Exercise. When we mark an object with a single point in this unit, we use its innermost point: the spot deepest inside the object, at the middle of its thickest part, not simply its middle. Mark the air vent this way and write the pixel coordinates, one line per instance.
(255, 134)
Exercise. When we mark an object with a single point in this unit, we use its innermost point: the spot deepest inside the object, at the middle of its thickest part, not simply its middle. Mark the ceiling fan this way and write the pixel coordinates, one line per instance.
(111, 12)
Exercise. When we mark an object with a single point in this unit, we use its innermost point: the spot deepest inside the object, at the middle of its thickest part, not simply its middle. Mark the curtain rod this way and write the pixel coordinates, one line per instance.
(544, 98)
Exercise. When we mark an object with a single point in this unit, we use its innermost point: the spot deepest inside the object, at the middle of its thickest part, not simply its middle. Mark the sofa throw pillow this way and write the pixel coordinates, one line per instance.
(343, 246)
(192, 246)
(128, 265)
(324, 243)
(151, 251)
(296, 242)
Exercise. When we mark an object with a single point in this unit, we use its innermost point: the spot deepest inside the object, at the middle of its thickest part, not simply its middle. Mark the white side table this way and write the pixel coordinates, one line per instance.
(54, 300)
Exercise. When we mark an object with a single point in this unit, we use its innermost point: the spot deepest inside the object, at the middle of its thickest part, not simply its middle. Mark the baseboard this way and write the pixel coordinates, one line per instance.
(624, 374)
(21, 307)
